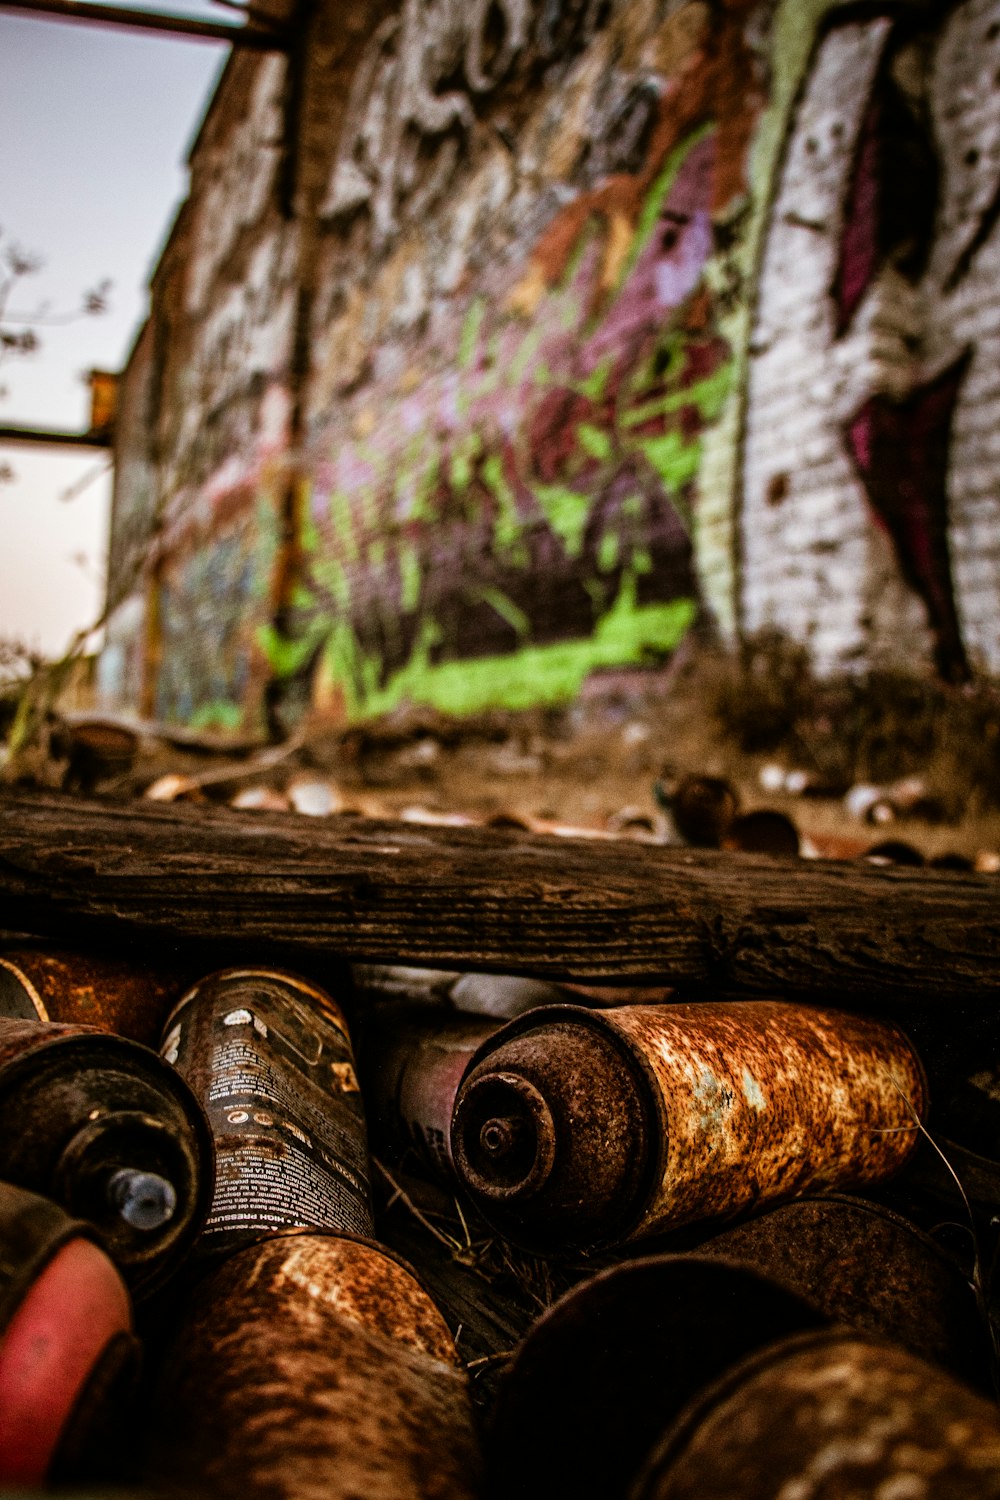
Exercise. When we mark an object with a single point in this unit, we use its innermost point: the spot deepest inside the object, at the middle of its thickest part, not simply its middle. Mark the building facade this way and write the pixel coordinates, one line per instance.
(501, 341)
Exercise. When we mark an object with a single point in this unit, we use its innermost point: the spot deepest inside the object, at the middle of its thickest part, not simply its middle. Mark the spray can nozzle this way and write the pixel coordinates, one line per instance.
(145, 1200)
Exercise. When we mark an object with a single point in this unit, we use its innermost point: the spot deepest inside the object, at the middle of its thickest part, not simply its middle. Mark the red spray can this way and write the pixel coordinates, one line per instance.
(67, 1355)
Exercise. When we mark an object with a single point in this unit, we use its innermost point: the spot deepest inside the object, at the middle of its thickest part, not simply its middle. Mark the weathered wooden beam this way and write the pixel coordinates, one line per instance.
(492, 899)
(50, 437)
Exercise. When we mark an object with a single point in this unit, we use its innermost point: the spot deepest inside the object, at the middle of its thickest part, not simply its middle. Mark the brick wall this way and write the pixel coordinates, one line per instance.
(498, 343)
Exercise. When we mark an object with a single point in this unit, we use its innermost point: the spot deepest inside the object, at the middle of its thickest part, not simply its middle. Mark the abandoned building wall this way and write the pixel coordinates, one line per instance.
(615, 316)
(134, 505)
(216, 414)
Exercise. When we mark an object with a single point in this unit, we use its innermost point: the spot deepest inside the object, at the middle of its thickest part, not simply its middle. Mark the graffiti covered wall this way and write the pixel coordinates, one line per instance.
(592, 320)
(869, 514)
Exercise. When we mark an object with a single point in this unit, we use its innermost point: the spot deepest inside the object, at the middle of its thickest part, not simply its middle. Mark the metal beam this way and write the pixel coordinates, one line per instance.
(257, 37)
(48, 437)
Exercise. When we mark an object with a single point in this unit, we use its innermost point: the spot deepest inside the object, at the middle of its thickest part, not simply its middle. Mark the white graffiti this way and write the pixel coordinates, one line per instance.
(404, 127)
(806, 532)
(814, 564)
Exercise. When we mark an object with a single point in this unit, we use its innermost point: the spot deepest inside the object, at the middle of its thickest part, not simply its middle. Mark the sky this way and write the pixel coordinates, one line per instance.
(95, 125)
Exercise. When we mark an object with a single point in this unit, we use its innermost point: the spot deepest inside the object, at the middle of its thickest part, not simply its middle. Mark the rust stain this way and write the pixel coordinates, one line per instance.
(765, 1100)
(578, 1127)
(126, 998)
(314, 1367)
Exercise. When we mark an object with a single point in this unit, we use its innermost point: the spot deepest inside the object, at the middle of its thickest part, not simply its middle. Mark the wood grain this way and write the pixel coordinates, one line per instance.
(493, 899)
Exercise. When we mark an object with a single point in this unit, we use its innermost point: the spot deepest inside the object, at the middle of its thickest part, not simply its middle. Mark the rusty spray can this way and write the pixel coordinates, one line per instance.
(67, 1355)
(268, 1055)
(413, 1060)
(866, 1266)
(309, 1361)
(825, 1415)
(105, 1128)
(602, 1372)
(575, 1129)
(129, 999)
(314, 1367)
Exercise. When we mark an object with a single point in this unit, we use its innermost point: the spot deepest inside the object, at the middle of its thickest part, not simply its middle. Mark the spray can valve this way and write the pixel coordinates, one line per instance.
(145, 1200)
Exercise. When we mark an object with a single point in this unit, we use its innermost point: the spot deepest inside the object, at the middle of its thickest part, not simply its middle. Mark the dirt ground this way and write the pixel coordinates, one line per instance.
(850, 764)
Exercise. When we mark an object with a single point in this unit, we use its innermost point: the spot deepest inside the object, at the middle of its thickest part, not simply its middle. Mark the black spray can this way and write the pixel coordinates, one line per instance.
(269, 1057)
(102, 1126)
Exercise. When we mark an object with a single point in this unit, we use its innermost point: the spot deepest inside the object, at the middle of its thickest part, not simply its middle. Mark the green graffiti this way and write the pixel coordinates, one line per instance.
(308, 532)
(566, 511)
(708, 396)
(525, 356)
(607, 551)
(342, 521)
(534, 675)
(675, 460)
(506, 609)
(287, 656)
(219, 714)
(425, 487)
(596, 382)
(463, 459)
(469, 337)
(594, 441)
(330, 576)
(507, 530)
(410, 576)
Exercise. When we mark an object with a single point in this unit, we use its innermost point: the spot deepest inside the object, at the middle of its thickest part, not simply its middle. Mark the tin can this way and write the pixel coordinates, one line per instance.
(827, 1415)
(314, 1367)
(269, 1057)
(105, 1128)
(67, 1355)
(126, 998)
(413, 1060)
(576, 1129)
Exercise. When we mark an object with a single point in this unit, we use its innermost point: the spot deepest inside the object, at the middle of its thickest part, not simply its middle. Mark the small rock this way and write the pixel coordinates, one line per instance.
(893, 852)
(434, 818)
(772, 777)
(260, 799)
(314, 796)
(880, 813)
(861, 797)
(422, 756)
(174, 788)
(639, 824)
(635, 733)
